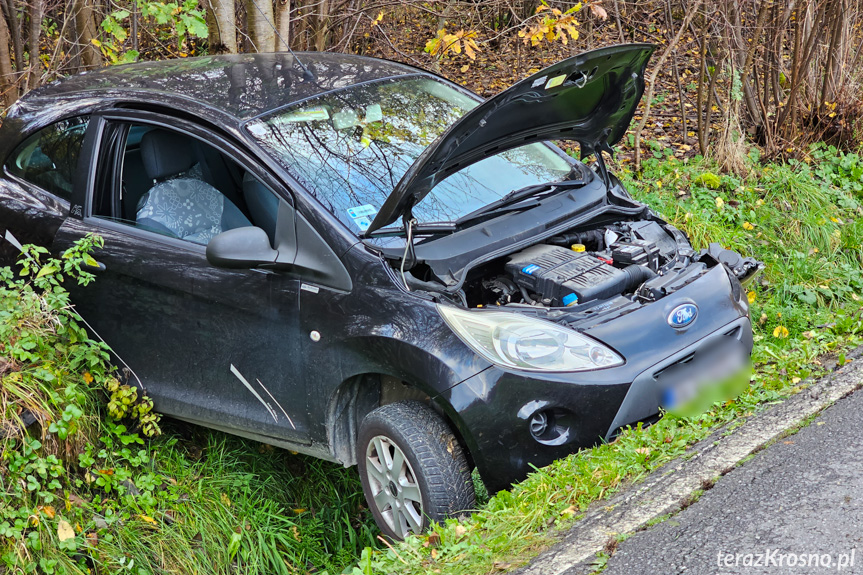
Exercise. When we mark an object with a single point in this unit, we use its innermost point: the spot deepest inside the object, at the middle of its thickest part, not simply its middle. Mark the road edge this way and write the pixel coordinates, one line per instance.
(670, 488)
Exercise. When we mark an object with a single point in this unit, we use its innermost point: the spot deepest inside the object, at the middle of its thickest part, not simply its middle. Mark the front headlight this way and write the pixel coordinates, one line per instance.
(522, 342)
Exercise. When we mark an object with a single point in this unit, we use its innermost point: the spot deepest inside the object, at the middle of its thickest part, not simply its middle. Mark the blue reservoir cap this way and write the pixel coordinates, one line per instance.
(529, 269)
(570, 299)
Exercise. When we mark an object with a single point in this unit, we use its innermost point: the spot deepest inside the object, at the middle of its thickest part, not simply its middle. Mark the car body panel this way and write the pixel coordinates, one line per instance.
(589, 98)
(488, 404)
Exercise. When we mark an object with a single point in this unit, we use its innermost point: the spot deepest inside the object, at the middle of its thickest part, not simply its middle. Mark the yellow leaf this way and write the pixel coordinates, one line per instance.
(95, 42)
(48, 511)
(465, 68)
(148, 519)
(299, 510)
(781, 332)
(750, 296)
(65, 531)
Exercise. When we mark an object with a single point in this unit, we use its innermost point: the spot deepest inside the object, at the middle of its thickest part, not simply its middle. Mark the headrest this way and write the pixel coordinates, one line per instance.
(166, 154)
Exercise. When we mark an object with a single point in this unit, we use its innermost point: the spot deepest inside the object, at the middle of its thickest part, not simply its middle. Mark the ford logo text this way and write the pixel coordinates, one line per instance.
(682, 315)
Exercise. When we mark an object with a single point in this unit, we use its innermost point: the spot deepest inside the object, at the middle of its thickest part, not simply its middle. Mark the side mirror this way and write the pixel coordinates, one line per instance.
(241, 248)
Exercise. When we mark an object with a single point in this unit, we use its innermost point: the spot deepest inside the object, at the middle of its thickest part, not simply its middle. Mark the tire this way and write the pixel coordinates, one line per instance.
(412, 468)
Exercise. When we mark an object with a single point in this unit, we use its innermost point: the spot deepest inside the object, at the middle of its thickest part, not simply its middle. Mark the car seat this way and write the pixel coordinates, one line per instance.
(180, 204)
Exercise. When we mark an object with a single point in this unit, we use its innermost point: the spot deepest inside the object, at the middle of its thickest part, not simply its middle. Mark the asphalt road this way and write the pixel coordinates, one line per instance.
(795, 507)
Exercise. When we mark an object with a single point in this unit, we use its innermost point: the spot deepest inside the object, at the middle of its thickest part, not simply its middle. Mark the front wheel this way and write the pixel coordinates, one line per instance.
(412, 468)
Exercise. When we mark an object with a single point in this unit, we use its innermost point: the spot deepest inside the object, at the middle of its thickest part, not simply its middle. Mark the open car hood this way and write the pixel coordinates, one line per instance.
(589, 98)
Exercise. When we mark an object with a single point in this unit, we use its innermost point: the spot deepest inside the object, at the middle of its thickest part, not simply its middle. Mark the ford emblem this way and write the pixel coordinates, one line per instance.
(682, 315)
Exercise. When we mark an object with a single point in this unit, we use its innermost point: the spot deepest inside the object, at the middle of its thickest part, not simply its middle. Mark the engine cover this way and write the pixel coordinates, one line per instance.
(563, 276)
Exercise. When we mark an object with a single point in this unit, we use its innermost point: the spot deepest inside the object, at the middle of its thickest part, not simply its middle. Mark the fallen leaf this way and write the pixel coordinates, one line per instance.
(47, 511)
(227, 500)
(460, 531)
(598, 11)
(148, 519)
(65, 531)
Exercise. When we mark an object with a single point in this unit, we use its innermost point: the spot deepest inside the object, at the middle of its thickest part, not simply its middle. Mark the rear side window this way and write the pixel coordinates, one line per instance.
(49, 158)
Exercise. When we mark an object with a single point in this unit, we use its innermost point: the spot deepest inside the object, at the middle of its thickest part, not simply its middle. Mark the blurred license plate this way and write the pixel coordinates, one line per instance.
(718, 371)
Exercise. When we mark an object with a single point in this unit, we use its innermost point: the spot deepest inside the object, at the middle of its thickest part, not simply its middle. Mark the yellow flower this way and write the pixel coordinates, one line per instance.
(748, 226)
(750, 296)
(781, 332)
(719, 202)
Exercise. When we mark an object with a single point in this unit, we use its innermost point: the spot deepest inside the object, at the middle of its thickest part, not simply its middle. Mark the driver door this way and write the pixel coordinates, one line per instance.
(213, 346)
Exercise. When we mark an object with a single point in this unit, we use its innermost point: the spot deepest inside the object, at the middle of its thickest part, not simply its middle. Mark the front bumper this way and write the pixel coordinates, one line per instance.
(494, 410)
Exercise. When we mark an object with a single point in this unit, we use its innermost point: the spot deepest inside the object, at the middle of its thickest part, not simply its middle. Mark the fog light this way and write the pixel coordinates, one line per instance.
(548, 425)
(540, 423)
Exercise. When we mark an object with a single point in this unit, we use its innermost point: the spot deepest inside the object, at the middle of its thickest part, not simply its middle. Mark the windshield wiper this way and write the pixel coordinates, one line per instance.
(510, 201)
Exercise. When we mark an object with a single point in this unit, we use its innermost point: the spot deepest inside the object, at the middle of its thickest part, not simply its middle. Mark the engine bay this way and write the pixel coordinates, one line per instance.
(641, 260)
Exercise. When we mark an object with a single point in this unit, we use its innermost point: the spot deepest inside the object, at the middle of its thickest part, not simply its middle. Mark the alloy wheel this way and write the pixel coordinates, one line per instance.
(394, 486)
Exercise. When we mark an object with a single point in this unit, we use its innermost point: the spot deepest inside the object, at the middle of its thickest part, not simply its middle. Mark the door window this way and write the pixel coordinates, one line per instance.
(49, 158)
(167, 182)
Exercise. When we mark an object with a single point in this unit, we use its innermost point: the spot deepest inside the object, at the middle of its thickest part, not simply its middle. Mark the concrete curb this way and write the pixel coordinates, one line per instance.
(669, 488)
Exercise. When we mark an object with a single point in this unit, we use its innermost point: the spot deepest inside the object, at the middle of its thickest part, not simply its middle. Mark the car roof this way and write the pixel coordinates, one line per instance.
(238, 85)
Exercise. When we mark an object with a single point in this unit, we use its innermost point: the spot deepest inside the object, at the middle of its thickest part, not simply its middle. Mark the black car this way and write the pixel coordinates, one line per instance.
(359, 260)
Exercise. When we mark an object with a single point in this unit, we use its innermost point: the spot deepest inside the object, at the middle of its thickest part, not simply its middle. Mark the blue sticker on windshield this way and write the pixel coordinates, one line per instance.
(360, 211)
(361, 215)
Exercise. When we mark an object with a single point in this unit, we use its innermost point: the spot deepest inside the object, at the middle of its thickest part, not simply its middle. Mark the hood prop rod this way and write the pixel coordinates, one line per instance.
(409, 222)
(598, 148)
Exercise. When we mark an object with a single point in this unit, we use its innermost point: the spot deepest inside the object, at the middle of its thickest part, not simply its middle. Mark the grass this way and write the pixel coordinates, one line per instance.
(193, 500)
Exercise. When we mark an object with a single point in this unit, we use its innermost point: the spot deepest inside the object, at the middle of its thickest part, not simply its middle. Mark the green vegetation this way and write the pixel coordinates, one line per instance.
(89, 490)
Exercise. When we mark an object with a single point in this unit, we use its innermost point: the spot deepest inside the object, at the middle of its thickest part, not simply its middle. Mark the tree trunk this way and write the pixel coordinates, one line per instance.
(8, 89)
(34, 14)
(323, 24)
(283, 24)
(221, 22)
(12, 25)
(261, 29)
(85, 30)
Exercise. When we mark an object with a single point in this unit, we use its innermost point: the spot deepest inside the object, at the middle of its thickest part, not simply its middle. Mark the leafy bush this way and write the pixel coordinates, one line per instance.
(89, 486)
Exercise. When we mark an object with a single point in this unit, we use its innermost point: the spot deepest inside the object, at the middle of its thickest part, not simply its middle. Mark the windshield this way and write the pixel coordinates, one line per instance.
(350, 148)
